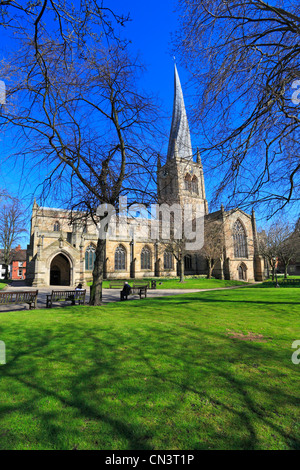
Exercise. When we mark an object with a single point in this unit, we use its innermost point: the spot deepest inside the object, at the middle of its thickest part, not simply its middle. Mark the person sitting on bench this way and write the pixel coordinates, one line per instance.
(126, 291)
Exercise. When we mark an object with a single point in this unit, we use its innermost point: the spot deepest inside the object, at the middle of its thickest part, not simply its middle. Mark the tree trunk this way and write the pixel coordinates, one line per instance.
(96, 288)
(222, 268)
(286, 265)
(273, 273)
(6, 275)
(181, 269)
(210, 268)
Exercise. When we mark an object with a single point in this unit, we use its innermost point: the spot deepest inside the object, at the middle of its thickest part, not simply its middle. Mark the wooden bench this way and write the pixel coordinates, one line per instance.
(19, 297)
(137, 288)
(141, 290)
(141, 284)
(150, 284)
(65, 296)
(116, 284)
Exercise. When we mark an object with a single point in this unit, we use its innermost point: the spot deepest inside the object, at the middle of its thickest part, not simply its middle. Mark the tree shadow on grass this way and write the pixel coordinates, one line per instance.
(25, 369)
(95, 384)
(188, 298)
(248, 412)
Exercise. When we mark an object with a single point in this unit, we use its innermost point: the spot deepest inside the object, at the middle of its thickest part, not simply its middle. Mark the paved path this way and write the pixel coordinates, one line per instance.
(109, 295)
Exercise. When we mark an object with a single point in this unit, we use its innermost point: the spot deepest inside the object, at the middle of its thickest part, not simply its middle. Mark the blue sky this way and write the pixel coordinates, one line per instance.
(150, 31)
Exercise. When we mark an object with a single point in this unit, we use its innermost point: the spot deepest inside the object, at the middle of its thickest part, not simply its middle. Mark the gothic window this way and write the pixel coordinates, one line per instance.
(239, 240)
(120, 258)
(188, 182)
(56, 226)
(168, 260)
(146, 258)
(90, 255)
(188, 262)
(195, 184)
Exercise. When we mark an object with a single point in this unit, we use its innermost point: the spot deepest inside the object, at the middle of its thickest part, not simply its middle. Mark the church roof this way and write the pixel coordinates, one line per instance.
(180, 139)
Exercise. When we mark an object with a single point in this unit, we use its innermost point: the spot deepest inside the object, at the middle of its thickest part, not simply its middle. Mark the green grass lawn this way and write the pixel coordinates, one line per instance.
(210, 370)
(3, 284)
(189, 283)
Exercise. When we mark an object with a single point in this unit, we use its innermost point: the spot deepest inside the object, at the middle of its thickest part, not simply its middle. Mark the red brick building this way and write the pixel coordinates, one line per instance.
(18, 264)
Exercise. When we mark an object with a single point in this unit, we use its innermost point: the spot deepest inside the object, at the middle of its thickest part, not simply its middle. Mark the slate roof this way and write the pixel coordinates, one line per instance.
(16, 255)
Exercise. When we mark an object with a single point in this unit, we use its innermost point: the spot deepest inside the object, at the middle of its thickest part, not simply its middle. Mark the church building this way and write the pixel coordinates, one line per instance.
(61, 253)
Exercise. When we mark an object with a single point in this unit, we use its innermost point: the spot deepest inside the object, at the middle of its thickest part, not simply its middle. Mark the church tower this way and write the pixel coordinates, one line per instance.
(181, 179)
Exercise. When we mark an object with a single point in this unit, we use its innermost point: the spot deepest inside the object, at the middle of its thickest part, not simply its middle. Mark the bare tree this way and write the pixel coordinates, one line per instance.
(278, 243)
(296, 235)
(3, 194)
(177, 247)
(80, 113)
(12, 226)
(69, 21)
(178, 236)
(290, 246)
(214, 244)
(245, 65)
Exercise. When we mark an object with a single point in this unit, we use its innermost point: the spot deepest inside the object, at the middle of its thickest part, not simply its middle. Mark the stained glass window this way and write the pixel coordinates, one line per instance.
(168, 260)
(90, 256)
(239, 240)
(120, 258)
(146, 258)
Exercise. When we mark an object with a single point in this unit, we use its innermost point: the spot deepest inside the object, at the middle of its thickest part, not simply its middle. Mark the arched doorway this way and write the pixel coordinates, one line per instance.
(60, 271)
(242, 270)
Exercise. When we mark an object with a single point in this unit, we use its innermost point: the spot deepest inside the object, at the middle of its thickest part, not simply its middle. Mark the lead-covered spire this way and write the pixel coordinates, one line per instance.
(180, 132)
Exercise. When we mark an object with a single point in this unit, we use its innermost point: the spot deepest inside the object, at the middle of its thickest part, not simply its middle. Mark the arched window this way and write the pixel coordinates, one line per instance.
(195, 184)
(120, 258)
(239, 240)
(56, 226)
(188, 182)
(146, 258)
(90, 256)
(168, 260)
(188, 262)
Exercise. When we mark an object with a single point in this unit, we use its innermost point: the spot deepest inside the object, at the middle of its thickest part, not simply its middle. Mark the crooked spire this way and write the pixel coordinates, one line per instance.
(180, 138)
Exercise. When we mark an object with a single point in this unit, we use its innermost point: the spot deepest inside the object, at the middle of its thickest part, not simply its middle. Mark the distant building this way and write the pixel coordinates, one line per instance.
(18, 264)
(294, 267)
(2, 267)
